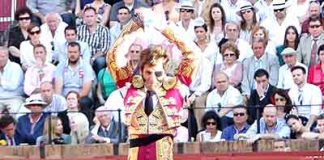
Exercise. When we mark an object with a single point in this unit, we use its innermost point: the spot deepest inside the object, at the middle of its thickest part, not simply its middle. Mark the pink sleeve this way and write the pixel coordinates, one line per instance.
(31, 81)
(237, 75)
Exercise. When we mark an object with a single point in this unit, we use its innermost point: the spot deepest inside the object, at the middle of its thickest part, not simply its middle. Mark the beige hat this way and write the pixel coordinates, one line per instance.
(288, 51)
(35, 99)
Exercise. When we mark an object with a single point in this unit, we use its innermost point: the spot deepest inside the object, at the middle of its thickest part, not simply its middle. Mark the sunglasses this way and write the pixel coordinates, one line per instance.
(34, 32)
(314, 26)
(246, 11)
(186, 10)
(210, 123)
(280, 99)
(132, 51)
(167, 17)
(23, 18)
(278, 10)
(229, 55)
(239, 114)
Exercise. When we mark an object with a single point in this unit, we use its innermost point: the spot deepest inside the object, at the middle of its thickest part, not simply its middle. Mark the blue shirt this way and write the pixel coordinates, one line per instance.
(73, 79)
(281, 129)
(24, 131)
(12, 79)
(230, 131)
(60, 52)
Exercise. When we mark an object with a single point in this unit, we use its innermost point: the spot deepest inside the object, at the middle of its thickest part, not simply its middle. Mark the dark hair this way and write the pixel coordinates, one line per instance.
(298, 67)
(320, 117)
(70, 28)
(77, 94)
(283, 93)
(31, 26)
(292, 116)
(314, 19)
(320, 48)
(261, 72)
(73, 44)
(21, 11)
(204, 26)
(89, 8)
(211, 115)
(6, 120)
(244, 23)
(211, 20)
(297, 37)
(123, 7)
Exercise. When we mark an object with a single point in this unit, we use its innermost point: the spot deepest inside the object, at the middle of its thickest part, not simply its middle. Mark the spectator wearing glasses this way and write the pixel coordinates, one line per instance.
(211, 128)
(240, 125)
(277, 26)
(123, 16)
(248, 14)
(309, 43)
(27, 58)
(285, 80)
(314, 10)
(223, 99)
(230, 65)
(19, 33)
(186, 22)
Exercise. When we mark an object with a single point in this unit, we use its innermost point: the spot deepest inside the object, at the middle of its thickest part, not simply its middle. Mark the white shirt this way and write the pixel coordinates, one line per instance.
(211, 52)
(232, 96)
(285, 80)
(202, 81)
(205, 136)
(115, 101)
(59, 36)
(230, 10)
(265, 11)
(311, 96)
(190, 31)
(276, 31)
(245, 49)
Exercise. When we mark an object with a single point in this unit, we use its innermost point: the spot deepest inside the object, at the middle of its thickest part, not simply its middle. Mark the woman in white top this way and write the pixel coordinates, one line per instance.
(27, 58)
(216, 22)
(249, 20)
(211, 124)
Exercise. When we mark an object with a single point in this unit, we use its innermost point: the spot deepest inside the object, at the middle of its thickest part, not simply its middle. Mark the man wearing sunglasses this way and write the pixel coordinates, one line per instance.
(240, 125)
(309, 43)
(186, 22)
(277, 25)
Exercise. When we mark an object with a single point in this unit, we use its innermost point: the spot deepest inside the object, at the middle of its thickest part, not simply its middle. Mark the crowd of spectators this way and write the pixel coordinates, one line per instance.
(261, 71)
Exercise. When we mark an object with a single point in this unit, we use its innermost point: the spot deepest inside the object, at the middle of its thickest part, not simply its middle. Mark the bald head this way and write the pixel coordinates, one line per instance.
(270, 115)
(53, 20)
(221, 81)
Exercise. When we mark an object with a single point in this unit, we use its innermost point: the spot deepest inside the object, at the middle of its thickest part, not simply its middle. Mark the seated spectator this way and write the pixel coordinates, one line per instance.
(54, 103)
(260, 60)
(280, 145)
(270, 127)
(248, 14)
(307, 97)
(53, 30)
(8, 127)
(41, 8)
(27, 47)
(314, 10)
(123, 17)
(31, 125)
(37, 73)
(282, 101)
(167, 10)
(19, 33)
(11, 83)
(181, 134)
(216, 20)
(296, 127)
(291, 41)
(320, 127)
(285, 80)
(240, 125)
(107, 130)
(55, 132)
(132, 5)
(316, 72)
(186, 23)
(211, 128)
(223, 98)
(75, 75)
(102, 10)
(263, 33)
(97, 37)
(60, 53)
(260, 96)
(74, 121)
(231, 66)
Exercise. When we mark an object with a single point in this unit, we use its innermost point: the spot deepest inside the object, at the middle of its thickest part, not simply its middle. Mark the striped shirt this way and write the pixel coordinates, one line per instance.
(99, 41)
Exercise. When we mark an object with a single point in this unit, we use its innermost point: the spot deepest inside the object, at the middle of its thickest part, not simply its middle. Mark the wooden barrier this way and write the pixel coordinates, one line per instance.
(187, 151)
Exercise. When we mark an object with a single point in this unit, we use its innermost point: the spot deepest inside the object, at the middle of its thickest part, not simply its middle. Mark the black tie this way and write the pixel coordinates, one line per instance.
(148, 102)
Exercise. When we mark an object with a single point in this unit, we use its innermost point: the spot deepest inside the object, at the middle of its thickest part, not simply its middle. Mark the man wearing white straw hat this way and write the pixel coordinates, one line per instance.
(277, 26)
(186, 22)
(31, 125)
